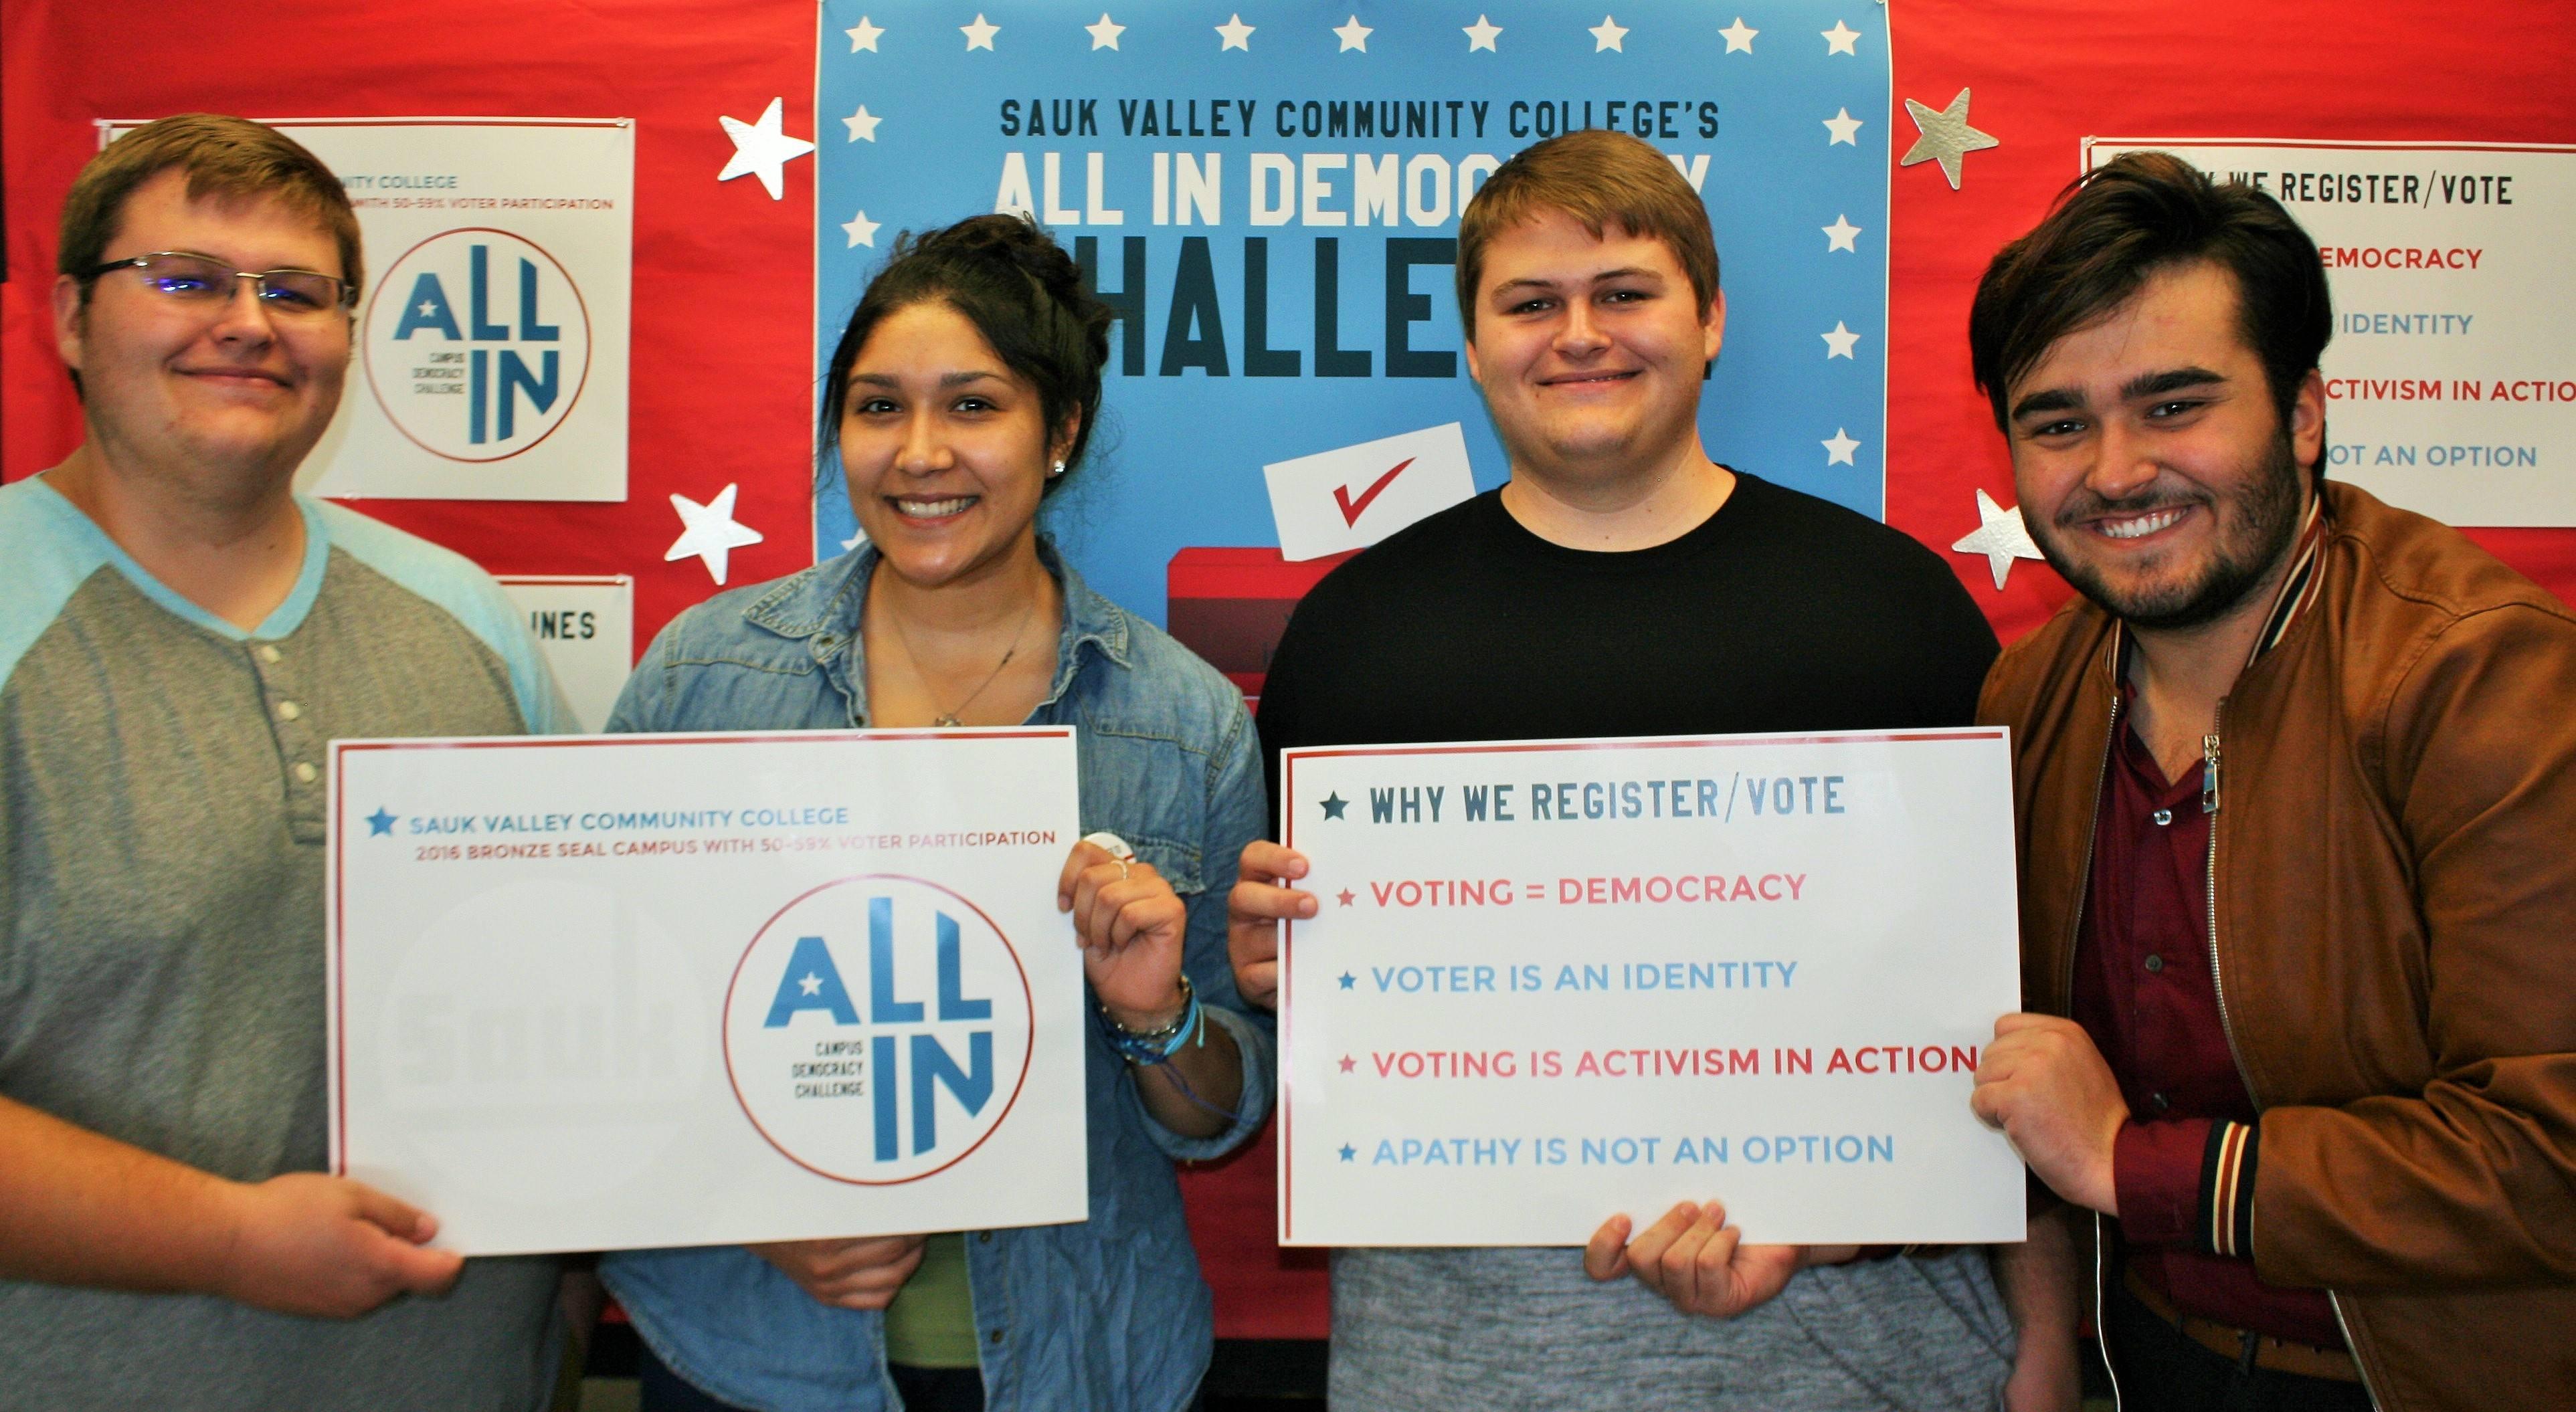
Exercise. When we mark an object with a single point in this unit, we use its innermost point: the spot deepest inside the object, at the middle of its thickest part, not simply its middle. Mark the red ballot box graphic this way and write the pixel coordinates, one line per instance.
(1230, 605)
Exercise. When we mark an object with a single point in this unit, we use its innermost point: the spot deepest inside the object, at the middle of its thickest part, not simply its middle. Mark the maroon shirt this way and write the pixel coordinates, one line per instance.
(2144, 992)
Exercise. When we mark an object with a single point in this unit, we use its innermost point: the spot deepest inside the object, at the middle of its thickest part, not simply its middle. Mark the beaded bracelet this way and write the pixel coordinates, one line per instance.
(1157, 1046)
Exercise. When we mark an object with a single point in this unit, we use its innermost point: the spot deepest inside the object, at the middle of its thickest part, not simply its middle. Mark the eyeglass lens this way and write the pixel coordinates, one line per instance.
(194, 277)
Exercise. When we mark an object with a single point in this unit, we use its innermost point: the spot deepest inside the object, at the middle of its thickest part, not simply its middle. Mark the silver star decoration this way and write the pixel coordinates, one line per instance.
(1838, 344)
(763, 149)
(863, 36)
(1104, 35)
(1238, 35)
(1844, 127)
(1353, 35)
(1839, 40)
(861, 231)
(1841, 234)
(1946, 138)
(1480, 35)
(862, 125)
(2000, 536)
(1739, 36)
(1608, 34)
(979, 35)
(1839, 449)
(709, 533)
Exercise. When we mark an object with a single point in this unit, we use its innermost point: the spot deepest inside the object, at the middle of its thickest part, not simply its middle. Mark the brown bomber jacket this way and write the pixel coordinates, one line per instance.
(2393, 907)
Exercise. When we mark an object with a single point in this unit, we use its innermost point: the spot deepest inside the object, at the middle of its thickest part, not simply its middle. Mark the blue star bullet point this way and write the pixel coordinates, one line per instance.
(1349, 980)
(1349, 1152)
(380, 823)
(1334, 804)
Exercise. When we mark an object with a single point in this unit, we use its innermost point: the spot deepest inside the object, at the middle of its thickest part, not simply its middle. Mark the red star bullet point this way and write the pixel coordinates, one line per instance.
(1347, 895)
(1348, 1063)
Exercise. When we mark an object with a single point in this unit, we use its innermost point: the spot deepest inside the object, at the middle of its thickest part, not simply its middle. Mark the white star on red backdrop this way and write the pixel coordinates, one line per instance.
(763, 149)
(709, 532)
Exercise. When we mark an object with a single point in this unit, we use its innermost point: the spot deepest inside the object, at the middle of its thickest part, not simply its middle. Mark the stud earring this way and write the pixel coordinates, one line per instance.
(1059, 470)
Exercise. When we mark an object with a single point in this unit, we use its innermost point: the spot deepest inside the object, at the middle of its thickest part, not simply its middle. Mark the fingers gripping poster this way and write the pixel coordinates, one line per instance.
(1267, 195)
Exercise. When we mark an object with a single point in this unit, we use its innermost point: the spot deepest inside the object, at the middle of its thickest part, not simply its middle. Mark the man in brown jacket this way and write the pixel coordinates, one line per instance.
(2297, 792)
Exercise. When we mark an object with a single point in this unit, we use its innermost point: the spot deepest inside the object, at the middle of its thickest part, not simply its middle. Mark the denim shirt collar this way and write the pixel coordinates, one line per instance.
(820, 611)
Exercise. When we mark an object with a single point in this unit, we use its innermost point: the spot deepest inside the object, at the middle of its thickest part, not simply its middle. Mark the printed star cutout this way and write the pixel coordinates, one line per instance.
(1348, 1063)
(428, 308)
(1104, 35)
(979, 35)
(1839, 40)
(1607, 34)
(1838, 449)
(2000, 536)
(810, 983)
(1739, 36)
(1348, 980)
(763, 149)
(1844, 127)
(1946, 138)
(863, 36)
(1238, 35)
(861, 231)
(1480, 35)
(1840, 234)
(1348, 896)
(1334, 804)
(380, 823)
(1349, 1152)
(862, 125)
(710, 533)
(1838, 344)
(1353, 35)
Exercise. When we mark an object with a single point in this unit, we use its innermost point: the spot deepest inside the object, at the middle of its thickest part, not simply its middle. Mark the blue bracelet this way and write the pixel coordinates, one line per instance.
(1156, 1046)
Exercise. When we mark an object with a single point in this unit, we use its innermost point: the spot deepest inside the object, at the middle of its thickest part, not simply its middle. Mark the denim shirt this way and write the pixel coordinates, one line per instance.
(1108, 1313)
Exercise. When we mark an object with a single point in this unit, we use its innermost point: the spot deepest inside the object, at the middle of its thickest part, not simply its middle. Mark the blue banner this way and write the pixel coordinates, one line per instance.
(1268, 192)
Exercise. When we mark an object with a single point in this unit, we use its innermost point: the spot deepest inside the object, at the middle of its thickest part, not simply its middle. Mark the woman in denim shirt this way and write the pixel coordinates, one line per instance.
(962, 393)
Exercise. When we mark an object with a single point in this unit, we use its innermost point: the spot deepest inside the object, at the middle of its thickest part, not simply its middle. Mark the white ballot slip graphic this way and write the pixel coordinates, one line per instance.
(1552, 981)
(596, 993)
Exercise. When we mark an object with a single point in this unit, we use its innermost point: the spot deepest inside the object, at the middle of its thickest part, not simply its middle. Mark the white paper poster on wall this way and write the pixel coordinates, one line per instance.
(492, 333)
(2451, 378)
(585, 624)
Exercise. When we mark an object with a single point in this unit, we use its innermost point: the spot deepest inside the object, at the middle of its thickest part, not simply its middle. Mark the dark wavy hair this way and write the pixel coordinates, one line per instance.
(1020, 291)
(2139, 215)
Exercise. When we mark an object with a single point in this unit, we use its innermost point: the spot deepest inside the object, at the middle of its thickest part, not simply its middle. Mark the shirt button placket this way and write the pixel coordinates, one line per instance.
(299, 748)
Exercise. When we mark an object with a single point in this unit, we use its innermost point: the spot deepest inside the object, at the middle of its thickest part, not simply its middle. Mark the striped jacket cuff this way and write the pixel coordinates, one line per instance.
(2227, 1191)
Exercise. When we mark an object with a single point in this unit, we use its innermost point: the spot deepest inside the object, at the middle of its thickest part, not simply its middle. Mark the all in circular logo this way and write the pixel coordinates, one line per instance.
(487, 349)
(877, 1029)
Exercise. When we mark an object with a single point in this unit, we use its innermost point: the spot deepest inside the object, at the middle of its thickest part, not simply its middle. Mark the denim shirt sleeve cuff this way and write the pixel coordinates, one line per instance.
(1251, 1108)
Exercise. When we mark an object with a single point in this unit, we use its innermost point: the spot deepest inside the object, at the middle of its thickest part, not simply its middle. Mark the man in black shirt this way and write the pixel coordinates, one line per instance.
(1623, 584)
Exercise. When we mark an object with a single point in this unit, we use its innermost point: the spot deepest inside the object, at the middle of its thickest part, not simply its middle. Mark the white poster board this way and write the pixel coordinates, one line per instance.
(585, 625)
(492, 331)
(593, 993)
(2451, 378)
(1554, 981)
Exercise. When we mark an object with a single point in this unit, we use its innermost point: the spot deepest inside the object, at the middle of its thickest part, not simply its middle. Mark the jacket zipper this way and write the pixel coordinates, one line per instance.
(2074, 934)
(2209, 804)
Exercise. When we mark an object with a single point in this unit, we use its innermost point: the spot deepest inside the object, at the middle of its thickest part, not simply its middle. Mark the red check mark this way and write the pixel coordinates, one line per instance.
(1351, 508)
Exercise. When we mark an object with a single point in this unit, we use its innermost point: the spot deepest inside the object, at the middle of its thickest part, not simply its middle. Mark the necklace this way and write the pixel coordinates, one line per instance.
(950, 716)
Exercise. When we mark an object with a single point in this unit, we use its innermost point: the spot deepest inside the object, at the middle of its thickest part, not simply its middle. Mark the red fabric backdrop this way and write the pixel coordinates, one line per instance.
(723, 282)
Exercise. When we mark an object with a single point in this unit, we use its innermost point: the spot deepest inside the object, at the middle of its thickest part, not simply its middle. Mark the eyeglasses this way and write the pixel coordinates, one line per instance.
(197, 279)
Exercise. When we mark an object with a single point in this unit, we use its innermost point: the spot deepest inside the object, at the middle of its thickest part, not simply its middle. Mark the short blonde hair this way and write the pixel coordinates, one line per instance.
(1601, 179)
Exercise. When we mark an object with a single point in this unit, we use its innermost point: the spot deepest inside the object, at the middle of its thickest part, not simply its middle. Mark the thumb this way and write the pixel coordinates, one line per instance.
(1605, 1257)
(419, 1269)
(396, 1218)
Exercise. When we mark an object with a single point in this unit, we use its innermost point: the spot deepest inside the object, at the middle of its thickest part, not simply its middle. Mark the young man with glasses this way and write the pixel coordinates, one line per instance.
(180, 635)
